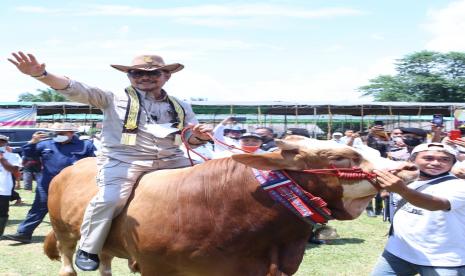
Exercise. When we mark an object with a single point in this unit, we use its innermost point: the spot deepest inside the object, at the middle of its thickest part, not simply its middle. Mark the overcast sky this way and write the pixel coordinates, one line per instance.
(302, 50)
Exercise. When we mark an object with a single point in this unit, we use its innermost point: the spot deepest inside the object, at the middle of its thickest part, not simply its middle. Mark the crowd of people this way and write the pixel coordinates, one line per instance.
(141, 127)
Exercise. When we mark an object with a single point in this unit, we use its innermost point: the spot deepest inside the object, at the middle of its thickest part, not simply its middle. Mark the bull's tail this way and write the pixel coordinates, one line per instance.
(51, 246)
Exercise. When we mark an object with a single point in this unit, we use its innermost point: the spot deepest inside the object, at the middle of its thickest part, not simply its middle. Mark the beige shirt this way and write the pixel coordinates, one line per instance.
(148, 148)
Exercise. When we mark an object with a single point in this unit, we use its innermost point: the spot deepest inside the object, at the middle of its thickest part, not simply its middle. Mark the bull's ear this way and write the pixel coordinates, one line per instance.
(279, 160)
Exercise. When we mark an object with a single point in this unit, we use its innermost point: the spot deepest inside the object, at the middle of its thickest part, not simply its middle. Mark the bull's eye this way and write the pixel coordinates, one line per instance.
(336, 158)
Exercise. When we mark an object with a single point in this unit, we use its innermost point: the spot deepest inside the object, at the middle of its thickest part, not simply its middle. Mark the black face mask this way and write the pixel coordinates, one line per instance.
(430, 176)
(412, 141)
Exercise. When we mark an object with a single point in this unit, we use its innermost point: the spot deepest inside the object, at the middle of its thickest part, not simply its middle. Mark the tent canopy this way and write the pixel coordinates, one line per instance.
(269, 108)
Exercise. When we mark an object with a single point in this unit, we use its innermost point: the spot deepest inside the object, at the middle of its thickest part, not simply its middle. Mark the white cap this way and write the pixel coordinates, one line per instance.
(64, 127)
(434, 147)
(337, 134)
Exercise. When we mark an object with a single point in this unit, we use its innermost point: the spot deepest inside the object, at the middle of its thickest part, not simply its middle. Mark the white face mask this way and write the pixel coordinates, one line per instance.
(60, 138)
(2, 149)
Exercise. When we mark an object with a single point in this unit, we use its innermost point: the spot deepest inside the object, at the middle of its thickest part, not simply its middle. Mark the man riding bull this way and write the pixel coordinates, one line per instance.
(140, 133)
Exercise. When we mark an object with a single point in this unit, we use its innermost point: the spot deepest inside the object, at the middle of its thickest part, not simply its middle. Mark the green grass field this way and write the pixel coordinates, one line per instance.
(354, 253)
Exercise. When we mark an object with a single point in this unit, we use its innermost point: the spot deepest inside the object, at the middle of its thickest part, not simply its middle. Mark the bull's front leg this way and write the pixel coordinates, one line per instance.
(274, 263)
(105, 264)
(291, 255)
(67, 249)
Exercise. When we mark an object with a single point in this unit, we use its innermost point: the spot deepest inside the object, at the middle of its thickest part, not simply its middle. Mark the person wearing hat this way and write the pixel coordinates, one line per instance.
(9, 163)
(412, 136)
(55, 154)
(249, 142)
(140, 133)
(268, 135)
(428, 225)
(337, 137)
(228, 132)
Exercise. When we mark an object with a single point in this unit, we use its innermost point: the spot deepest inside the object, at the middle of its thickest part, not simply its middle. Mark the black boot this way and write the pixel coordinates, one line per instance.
(22, 238)
(3, 221)
(86, 261)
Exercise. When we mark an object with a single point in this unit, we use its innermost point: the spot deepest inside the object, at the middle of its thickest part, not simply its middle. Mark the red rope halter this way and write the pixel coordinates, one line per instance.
(354, 173)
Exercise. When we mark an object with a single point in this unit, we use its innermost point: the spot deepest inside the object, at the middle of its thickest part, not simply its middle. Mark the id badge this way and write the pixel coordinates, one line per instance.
(177, 139)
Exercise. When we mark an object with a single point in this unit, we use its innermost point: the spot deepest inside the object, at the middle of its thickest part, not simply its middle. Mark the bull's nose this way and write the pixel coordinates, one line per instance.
(409, 167)
(406, 166)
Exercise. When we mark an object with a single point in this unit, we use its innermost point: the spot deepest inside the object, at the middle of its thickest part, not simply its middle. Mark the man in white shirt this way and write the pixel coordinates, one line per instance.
(352, 139)
(249, 142)
(9, 162)
(427, 234)
(337, 137)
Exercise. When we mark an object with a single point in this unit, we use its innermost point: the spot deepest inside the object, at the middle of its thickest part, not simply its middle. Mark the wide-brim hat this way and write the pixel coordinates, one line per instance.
(4, 138)
(149, 63)
(56, 127)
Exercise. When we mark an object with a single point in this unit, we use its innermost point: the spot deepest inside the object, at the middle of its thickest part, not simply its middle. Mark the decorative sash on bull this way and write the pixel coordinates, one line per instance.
(133, 111)
(285, 191)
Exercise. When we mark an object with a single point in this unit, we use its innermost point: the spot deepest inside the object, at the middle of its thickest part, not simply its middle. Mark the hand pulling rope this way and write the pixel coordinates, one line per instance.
(189, 148)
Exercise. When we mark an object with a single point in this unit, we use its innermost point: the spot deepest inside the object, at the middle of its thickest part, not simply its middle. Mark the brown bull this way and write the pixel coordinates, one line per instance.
(210, 219)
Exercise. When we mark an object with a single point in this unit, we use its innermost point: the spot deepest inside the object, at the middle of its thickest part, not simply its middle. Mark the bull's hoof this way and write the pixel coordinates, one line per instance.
(87, 261)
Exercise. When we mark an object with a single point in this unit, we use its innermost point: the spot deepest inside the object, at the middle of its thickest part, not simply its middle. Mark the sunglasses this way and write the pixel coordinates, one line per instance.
(136, 74)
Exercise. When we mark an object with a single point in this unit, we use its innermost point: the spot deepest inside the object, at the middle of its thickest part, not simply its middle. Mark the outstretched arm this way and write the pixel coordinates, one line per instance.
(75, 91)
(28, 65)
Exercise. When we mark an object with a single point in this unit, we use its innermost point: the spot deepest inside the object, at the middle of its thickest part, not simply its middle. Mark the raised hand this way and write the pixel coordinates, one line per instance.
(202, 131)
(27, 64)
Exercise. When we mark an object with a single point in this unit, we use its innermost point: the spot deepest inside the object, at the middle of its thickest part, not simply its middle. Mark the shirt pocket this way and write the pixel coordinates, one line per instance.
(47, 154)
(78, 155)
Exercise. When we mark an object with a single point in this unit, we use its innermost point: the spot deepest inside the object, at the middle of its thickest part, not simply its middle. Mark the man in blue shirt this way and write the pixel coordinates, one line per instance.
(57, 153)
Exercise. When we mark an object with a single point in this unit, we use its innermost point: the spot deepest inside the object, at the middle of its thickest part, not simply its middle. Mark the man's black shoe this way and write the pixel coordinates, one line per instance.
(86, 261)
(316, 241)
(22, 238)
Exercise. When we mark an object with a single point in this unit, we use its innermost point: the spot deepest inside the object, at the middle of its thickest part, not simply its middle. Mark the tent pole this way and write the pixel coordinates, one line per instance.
(361, 118)
(330, 123)
(314, 122)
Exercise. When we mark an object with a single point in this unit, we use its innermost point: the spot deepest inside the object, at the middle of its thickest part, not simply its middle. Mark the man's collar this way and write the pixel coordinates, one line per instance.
(150, 96)
(431, 177)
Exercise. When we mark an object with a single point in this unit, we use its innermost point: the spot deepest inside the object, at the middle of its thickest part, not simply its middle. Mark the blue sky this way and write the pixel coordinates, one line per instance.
(302, 50)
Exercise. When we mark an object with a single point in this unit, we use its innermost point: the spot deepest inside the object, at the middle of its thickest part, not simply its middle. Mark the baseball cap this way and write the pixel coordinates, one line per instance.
(414, 130)
(434, 147)
(250, 135)
(234, 128)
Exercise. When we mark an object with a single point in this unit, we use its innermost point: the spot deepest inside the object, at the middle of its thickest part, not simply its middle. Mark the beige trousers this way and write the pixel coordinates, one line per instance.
(115, 180)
